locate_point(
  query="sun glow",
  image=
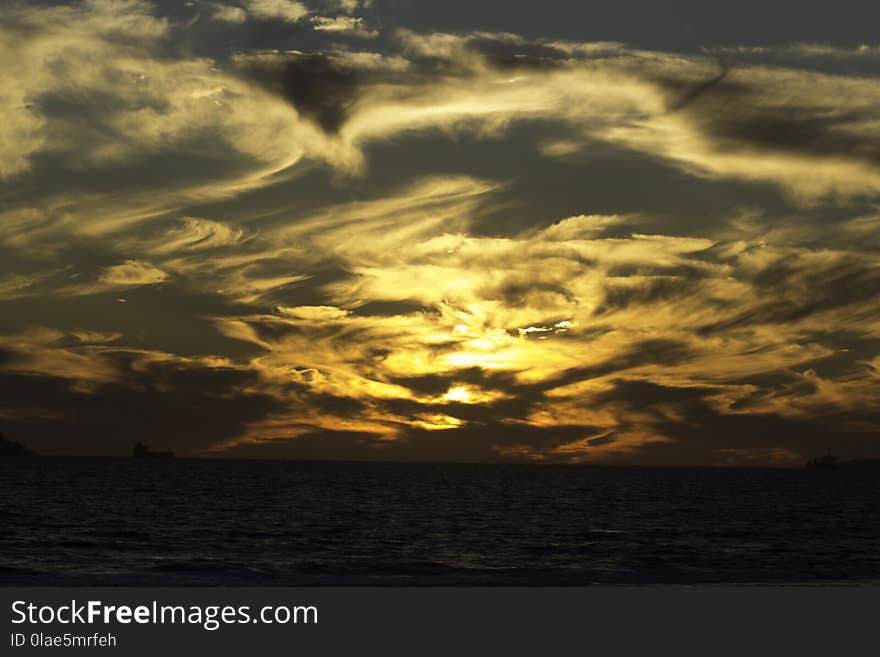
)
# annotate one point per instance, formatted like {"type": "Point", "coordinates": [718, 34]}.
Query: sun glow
{"type": "Point", "coordinates": [459, 394]}
{"type": "Point", "coordinates": [464, 394]}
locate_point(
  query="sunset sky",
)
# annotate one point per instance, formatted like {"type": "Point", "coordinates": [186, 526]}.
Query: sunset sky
{"type": "Point", "coordinates": [558, 232]}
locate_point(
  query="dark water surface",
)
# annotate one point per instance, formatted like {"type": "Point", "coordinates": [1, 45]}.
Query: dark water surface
{"type": "Point", "coordinates": [201, 522]}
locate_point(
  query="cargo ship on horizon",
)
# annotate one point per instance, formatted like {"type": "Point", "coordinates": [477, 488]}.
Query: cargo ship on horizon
{"type": "Point", "coordinates": [142, 451]}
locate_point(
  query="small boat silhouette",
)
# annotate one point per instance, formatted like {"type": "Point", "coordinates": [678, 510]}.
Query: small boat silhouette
{"type": "Point", "coordinates": [141, 451]}
{"type": "Point", "coordinates": [827, 462]}
{"type": "Point", "coordinates": [13, 449]}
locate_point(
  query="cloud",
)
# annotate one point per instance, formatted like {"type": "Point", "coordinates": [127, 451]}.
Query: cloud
{"type": "Point", "coordinates": [475, 329]}
{"type": "Point", "coordinates": [40, 351]}
{"type": "Point", "coordinates": [195, 234]}
{"type": "Point", "coordinates": [132, 396]}
{"type": "Point", "coordinates": [286, 10]}
{"type": "Point", "coordinates": [132, 273]}
{"type": "Point", "coordinates": [444, 246]}
{"type": "Point", "coordinates": [94, 90]}
{"type": "Point", "coordinates": [729, 123]}
{"type": "Point", "coordinates": [803, 51]}
{"type": "Point", "coordinates": [350, 24]}
{"type": "Point", "coordinates": [314, 312]}
{"type": "Point", "coordinates": [227, 13]}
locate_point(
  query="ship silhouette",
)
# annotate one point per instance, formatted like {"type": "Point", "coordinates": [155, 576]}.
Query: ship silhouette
{"type": "Point", "coordinates": [12, 448]}
{"type": "Point", "coordinates": [141, 451]}
{"type": "Point", "coordinates": [827, 462]}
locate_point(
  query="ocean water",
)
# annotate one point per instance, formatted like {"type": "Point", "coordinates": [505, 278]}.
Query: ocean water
{"type": "Point", "coordinates": [202, 522]}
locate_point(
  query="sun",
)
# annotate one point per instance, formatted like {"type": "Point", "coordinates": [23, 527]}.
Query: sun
{"type": "Point", "coordinates": [459, 394]}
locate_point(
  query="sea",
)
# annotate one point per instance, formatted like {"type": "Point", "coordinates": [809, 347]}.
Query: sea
{"type": "Point", "coordinates": [182, 522]}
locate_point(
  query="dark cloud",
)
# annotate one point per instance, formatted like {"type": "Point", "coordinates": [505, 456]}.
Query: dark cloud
{"type": "Point", "coordinates": [318, 85]}
{"type": "Point", "coordinates": [388, 308]}
{"type": "Point", "coordinates": [656, 290]}
{"type": "Point", "coordinates": [173, 317]}
{"type": "Point", "coordinates": [439, 382]}
{"type": "Point", "coordinates": [656, 351]}
{"type": "Point", "coordinates": [519, 400]}
{"type": "Point", "coordinates": [688, 93]}
{"type": "Point", "coordinates": [162, 404]}
{"type": "Point", "coordinates": [495, 441]}
{"type": "Point", "coordinates": [319, 445]}
{"type": "Point", "coordinates": [325, 86]}
{"type": "Point", "coordinates": [478, 443]}
{"type": "Point", "coordinates": [738, 112]}
{"type": "Point", "coordinates": [517, 292]}
{"type": "Point", "coordinates": [697, 431]}
{"type": "Point", "coordinates": [797, 287]}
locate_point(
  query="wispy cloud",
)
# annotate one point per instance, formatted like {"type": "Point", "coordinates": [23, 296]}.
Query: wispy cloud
{"type": "Point", "coordinates": [286, 10]}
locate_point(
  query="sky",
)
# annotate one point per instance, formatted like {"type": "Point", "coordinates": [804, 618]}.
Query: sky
{"type": "Point", "coordinates": [464, 231]}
